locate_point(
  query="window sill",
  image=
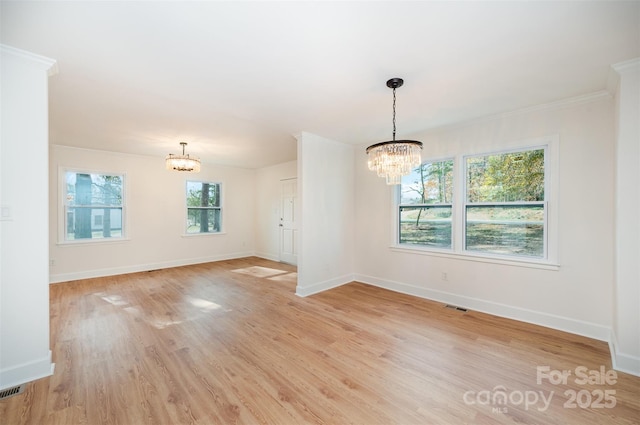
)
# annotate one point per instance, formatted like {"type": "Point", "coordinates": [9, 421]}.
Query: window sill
{"type": "Point", "coordinates": [195, 235]}
{"type": "Point", "coordinates": [84, 242]}
{"type": "Point", "coordinates": [520, 262]}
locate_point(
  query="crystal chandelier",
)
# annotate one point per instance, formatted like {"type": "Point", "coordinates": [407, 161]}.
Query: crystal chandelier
{"type": "Point", "coordinates": [395, 158]}
{"type": "Point", "coordinates": [183, 162]}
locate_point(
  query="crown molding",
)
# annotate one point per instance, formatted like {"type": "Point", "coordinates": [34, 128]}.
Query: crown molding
{"type": "Point", "coordinates": [562, 103]}
{"type": "Point", "coordinates": [48, 64]}
{"type": "Point", "coordinates": [617, 69]}
{"type": "Point", "coordinates": [625, 66]}
{"type": "Point", "coordinates": [559, 104]}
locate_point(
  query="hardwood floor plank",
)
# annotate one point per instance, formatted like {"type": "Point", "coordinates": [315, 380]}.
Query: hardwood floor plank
{"type": "Point", "coordinates": [230, 343]}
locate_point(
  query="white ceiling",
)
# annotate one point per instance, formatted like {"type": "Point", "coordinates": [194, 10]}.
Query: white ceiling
{"type": "Point", "coordinates": [238, 79]}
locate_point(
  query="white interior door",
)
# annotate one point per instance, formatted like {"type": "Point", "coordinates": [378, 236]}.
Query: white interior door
{"type": "Point", "coordinates": [288, 228]}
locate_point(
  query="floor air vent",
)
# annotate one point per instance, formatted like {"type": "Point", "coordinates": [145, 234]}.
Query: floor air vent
{"type": "Point", "coordinates": [455, 307]}
{"type": "Point", "coordinates": [12, 391]}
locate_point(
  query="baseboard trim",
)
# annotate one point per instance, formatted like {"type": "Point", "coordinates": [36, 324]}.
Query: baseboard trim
{"type": "Point", "coordinates": [623, 362]}
{"type": "Point", "coordinates": [267, 256]}
{"type": "Point", "coordinates": [113, 271]}
{"type": "Point", "coordinates": [578, 327]}
{"type": "Point", "coordinates": [26, 372]}
{"type": "Point", "coordinates": [305, 291]}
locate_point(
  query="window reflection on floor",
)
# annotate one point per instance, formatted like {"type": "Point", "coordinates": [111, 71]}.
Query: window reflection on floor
{"type": "Point", "coordinates": [161, 321]}
{"type": "Point", "coordinates": [269, 273]}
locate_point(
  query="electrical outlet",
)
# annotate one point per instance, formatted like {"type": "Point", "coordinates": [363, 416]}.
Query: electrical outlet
{"type": "Point", "coordinates": [445, 277]}
{"type": "Point", "coordinates": [52, 263]}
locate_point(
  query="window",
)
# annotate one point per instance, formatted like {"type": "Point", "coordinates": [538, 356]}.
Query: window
{"type": "Point", "coordinates": [425, 208]}
{"type": "Point", "coordinates": [93, 206]}
{"type": "Point", "coordinates": [484, 206]}
{"type": "Point", "coordinates": [504, 211]}
{"type": "Point", "coordinates": [203, 207]}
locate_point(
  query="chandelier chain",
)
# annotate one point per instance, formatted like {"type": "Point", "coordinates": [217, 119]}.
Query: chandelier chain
{"type": "Point", "coordinates": [394, 114]}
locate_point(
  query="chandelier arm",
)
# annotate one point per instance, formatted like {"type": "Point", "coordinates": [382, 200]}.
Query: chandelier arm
{"type": "Point", "coordinates": [391, 142]}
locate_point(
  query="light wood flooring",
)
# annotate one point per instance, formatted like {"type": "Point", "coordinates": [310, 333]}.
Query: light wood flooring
{"type": "Point", "coordinates": [230, 343]}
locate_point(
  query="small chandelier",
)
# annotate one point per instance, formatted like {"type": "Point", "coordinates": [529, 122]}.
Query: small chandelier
{"type": "Point", "coordinates": [183, 162]}
{"type": "Point", "coordinates": [395, 158]}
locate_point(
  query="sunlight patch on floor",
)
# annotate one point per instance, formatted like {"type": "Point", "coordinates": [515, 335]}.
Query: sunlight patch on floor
{"type": "Point", "coordinates": [258, 271]}
{"type": "Point", "coordinates": [112, 299]}
{"type": "Point", "coordinates": [288, 277]}
{"type": "Point", "coordinates": [201, 306]}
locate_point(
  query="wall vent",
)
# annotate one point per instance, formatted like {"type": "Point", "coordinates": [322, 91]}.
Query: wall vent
{"type": "Point", "coordinates": [12, 391]}
{"type": "Point", "coordinates": [455, 307]}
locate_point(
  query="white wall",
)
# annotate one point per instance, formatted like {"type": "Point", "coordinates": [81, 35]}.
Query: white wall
{"type": "Point", "coordinates": [268, 197]}
{"type": "Point", "coordinates": [578, 296]}
{"type": "Point", "coordinates": [326, 227]}
{"type": "Point", "coordinates": [155, 209]}
{"type": "Point", "coordinates": [626, 341]}
{"type": "Point", "coordinates": [24, 258]}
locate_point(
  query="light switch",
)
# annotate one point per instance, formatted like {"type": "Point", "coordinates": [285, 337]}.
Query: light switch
{"type": "Point", "coordinates": [5, 215]}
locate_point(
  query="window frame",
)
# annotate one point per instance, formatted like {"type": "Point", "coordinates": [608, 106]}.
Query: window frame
{"type": "Point", "coordinates": [399, 205]}
{"type": "Point", "coordinates": [220, 207]}
{"type": "Point", "coordinates": [458, 251]}
{"type": "Point", "coordinates": [63, 209]}
{"type": "Point", "coordinates": [544, 203]}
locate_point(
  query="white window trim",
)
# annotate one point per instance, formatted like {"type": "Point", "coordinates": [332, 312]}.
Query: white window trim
{"type": "Point", "coordinates": [62, 216]}
{"type": "Point", "coordinates": [185, 216]}
{"type": "Point", "coordinates": [198, 235]}
{"type": "Point", "coordinates": [545, 203]}
{"type": "Point", "coordinates": [550, 262]}
{"type": "Point", "coordinates": [396, 201]}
